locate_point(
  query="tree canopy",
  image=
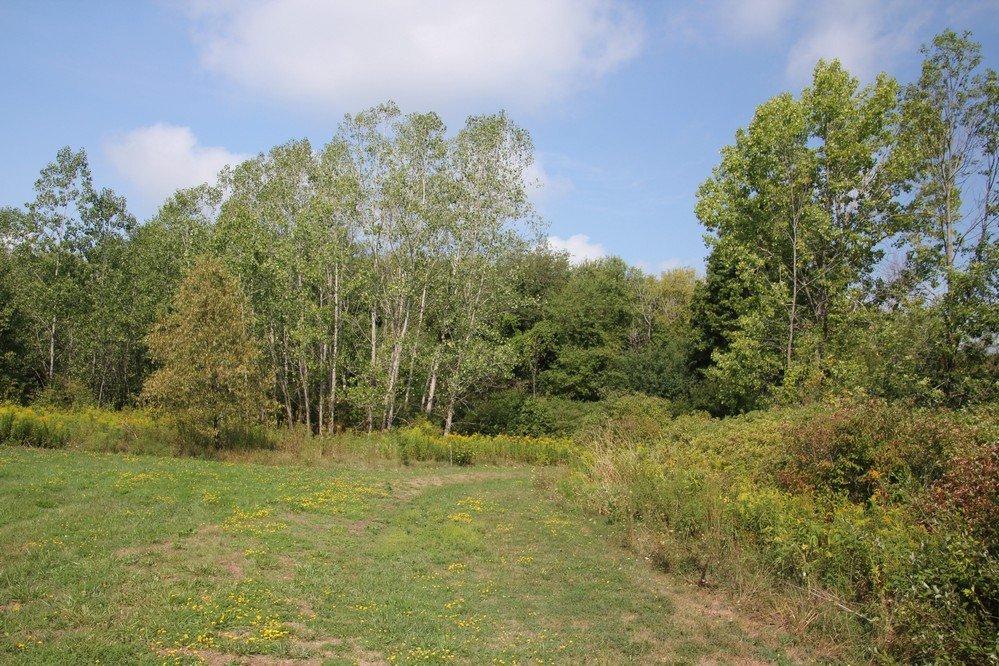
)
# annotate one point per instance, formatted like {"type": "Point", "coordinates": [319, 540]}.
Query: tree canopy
{"type": "Point", "coordinates": [399, 270]}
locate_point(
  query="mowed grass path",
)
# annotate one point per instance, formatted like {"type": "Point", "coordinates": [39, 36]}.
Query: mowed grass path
{"type": "Point", "coordinates": [123, 559]}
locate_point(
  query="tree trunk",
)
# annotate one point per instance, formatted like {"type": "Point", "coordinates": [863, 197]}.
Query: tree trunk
{"type": "Point", "coordinates": [794, 294]}
{"type": "Point", "coordinates": [450, 414]}
{"type": "Point", "coordinates": [373, 379]}
{"type": "Point", "coordinates": [432, 389]}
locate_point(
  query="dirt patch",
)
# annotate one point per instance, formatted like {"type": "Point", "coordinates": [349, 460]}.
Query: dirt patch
{"type": "Point", "coordinates": [146, 549]}
{"type": "Point", "coordinates": [417, 486]}
{"type": "Point", "coordinates": [358, 526]}
{"type": "Point", "coordinates": [309, 520]}
{"type": "Point", "coordinates": [712, 617]}
{"type": "Point", "coordinates": [215, 658]}
{"type": "Point", "coordinates": [234, 564]}
{"type": "Point", "coordinates": [314, 651]}
{"type": "Point", "coordinates": [304, 608]}
{"type": "Point", "coordinates": [206, 545]}
{"type": "Point", "coordinates": [366, 657]}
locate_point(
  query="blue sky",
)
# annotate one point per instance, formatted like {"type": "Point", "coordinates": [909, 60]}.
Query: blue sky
{"type": "Point", "coordinates": [628, 103]}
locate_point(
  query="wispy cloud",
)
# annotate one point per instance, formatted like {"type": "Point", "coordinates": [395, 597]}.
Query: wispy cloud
{"type": "Point", "coordinates": [670, 264]}
{"type": "Point", "coordinates": [867, 36]}
{"type": "Point", "coordinates": [543, 186]}
{"type": "Point", "coordinates": [726, 21]}
{"type": "Point", "coordinates": [350, 54]}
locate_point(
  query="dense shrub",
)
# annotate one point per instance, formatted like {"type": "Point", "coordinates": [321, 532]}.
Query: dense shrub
{"type": "Point", "coordinates": [887, 510]}
{"type": "Point", "coordinates": [517, 413]}
{"type": "Point", "coordinates": [90, 429]}
{"type": "Point", "coordinates": [137, 432]}
{"type": "Point", "coordinates": [969, 489]}
{"type": "Point", "coordinates": [423, 441]}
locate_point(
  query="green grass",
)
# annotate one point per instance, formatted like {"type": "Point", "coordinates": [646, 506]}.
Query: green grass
{"type": "Point", "coordinates": [137, 559]}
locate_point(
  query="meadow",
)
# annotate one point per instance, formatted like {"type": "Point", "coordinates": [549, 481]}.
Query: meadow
{"type": "Point", "coordinates": [850, 531]}
{"type": "Point", "coordinates": [122, 558]}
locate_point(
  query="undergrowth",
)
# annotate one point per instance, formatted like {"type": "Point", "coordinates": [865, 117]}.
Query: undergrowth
{"type": "Point", "coordinates": [873, 523]}
{"type": "Point", "coordinates": [140, 433]}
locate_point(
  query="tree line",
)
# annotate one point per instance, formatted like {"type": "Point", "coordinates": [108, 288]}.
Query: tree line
{"type": "Point", "coordinates": [400, 271]}
{"type": "Point", "coordinates": [852, 238]}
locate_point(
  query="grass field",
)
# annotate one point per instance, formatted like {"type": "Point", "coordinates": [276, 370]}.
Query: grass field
{"type": "Point", "coordinates": [132, 559]}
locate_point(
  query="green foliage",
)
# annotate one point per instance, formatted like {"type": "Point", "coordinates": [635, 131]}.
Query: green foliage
{"type": "Point", "coordinates": [15, 375]}
{"type": "Point", "coordinates": [417, 443]}
{"type": "Point", "coordinates": [68, 278]}
{"type": "Point", "coordinates": [399, 269]}
{"type": "Point", "coordinates": [798, 303]}
{"type": "Point", "coordinates": [514, 412]}
{"type": "Point", "coordinates": [138, 432]}
{"type": "Point", "coordinates": [422, 441]}
{"type": "Point", "coordinates": [796, 212]}
{"type": "Point", "coordinates": [90, 429]}
{"type": "Point", "coordinates": [210, 378]}
{"type": "Point", "coordinates": [599, 328]}
{"type": "Point", "coordinates": [949, 123]}
{"type": "Point", "coordinates": [877, 506]}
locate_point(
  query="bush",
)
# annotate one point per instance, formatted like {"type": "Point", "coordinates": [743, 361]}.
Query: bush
{"type": "Point", "coordinates": [514, 412]}
{"type": "Point", "coordinates": [91, 429]}
{"type": "Point", "coordinates": [887, 510]}
{"type": "Point", "coordinates": [423, 443]}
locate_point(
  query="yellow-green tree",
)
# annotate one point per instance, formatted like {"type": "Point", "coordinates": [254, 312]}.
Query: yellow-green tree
{"type": "Point", "coordinates": [210, 376]}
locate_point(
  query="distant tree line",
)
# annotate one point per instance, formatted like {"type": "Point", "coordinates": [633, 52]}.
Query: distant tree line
{"type": "Point", "coordinates": [399, 271]}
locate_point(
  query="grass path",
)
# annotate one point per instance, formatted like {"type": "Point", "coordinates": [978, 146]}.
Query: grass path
{"type": "Point", "coordinates": [122, 559]}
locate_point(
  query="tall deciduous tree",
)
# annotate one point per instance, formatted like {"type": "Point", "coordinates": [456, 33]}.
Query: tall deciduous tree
{"type": "Point", "coordinates": [796, 211]}
{"type": "Point", "coordinates": [951, 127]}
{"type": "Point", "coordinates": [67, 249]}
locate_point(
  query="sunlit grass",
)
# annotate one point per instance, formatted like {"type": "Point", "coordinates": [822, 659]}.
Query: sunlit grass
{"type": "Point", "coordinates": [137, 559]}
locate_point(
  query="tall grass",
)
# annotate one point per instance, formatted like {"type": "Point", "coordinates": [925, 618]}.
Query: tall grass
{"type": "Point", "coordinates": [423, 442]}
{"type": "Point", "coordinates": [20, 425]}
{"type": "Point", "coordinates": [869, 513]}
{"type": "Point", "coordinates": [141, 433]}
{"type": "Point", "coordinates": [91, 429]}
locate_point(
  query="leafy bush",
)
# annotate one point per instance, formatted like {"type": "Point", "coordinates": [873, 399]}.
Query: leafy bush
{"type": "Point", "coordinates": [886, 510]}
{"type": "Point", "coordinates": [968, 490]}
{"type": "Point", "coordinates": [421, 442]}
{"type": "Point", "coordinates": [136, 432]}
{"type": "Point", "coordinates": [516, 413]}
{"type": "Point", "coordinates": [91, 429]}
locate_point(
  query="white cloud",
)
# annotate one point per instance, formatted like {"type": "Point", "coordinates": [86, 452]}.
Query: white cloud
{"type": "Point", "coordinates": [722, 21]}
{"type": "Point", "coordinates": [865, 36]}
{"type": "Point", "coordinates": [159, 159]}
{"type": "Point", "coordinates": [349, 54]}
{"type": "Point", "coordinates": [578, 246]}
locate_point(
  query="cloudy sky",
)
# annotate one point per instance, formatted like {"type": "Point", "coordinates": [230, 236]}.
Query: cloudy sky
{"type": "Point", "coordinates": [628, 103]}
